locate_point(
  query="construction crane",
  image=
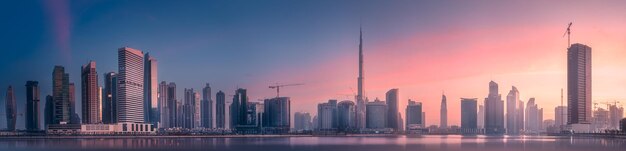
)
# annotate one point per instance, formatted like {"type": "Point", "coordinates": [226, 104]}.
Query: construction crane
{"type": "Point", "coordinates": [277, 87]}
{"type": "Point", "coordinates": [568, 33]}
{"type": "Point", "coordinates": [608, 104]}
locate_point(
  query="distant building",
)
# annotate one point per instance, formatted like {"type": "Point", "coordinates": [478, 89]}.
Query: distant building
{"type": "Point", "coordinates": [173, 106]}
{"type": "Point", "coordinates": [61, 96]}
{"type": "Point", "coordinates": [74, 118]}
{"type": "Point", "coordinates": [207, 107]}
{"type": "Point", "coordinates": [130, 96]}
{"type": "Point", "coordinates": [534, 117]}
{"type": "Point", "coordinates": [327, 116]}
{"type": "Point", "coordinates": [220, 110]}
{"type": "Point", "coordinates": [560, 116]}
{"type": "Point", "coordinates": [443, 113]}
{"type": "Point", "coordinates": [392, 104]}
{"type": "Point", "coordinates": [109, 102]}
{"type": "Point", "coordinates": [512, 116]}
{"type": "Point", "coordinates": [415, 116]}
{"type": "Point", "coordinates": [346, 116]}
{"type": "Point", "coordinates": [11, 109]}
{"type": "Point", "coordinates": [91, 113]}
{"type": "Point", "coordinates": [189, 109]}
{"type": "Point", "coordinates": [150, 90]}
{"type": "Point", "coordinates": [164, 109]}
{"type": "Point", "coordinates": [600, 120]}
{"type": "Point", "coordinates": [361, 101]}
{"type": "Point", "coordinates": [494, 111]}
{"type": "Point", "coordinates": [277, 115]}
{"type": "Point", "coordinates": [579, 84]}
{"type": "Point", "coordinates": [481, 117]}
{"type": "Point", "coordinates": [623, 125]}
{"type": "Point", "coordinates": [302, 121]}
{"type": "Point", "coordinates": [32, 106]}
{"type": "Point", "coordinates": [48, 112]}
{"type": "Point", "coordinates": [376, 115]}
{"type": "Point", "coordinates": [615, 115]}
{"type": "Point", "coordinates": [468, 115]}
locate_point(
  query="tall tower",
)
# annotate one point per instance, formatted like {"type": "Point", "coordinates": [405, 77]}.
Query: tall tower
{"type": "Point", "coordinates": [207, 107]}
{"type": "Point", "coordinates": [11, 109]}
{"type": "Point", "coordinates": [89, 94]}
{"type": "Point", "coordinates": [444, 112]}
{"type": "Point", "coordinates": [130, 86]}
{"type": "Point", "coordinates": [579, 84]}
{"type": "Point", "coordinates": [359, 98]}
{"type": "Point", "coordinates": [61, 105]}
{"type": "Point", "coordinates": [494, 111]}
{"type": "Point", "coordinates": [392, 112]}
{"type": "Point", "coordinates": [32, 106]}
{"type": "Point", "coordinates": [150, 90]}
{"type": "Point", "coordinates": [220, 110]}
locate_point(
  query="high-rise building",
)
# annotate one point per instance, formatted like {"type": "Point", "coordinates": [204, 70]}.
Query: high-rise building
{"type": "Point", "coordinates": [346, 115]}
{"type": "Point", "coordinates": [615, 114]}
{"type": "Point", "coordinates": [11, 109]}
{"type": "Point", "coordinates": [89, 94]}
{"type": "Point", "coordinates": [512, 100]}
{"type": "Point", "coordinates": [415, 115]}
{"type": "Point", "coordinates": [327, 115]}
{"type": "Point", "coordinates": [32, 106]}
{"type": "Point", "coordinates": [534, 117]}
{"type": "Point", "coordinates": [150, 90]}
{"type": "Point", "coordinates": [392, 106]}
{"type": "Point", "coordinates": [74, 118]}
{"type": "Point", "coordinates": [481, 117]}
{"type": "Point", "coordinates": [189, 109]}
{"type": "Point", "coordinates": [560, 116]}
{"type": "Point", "coordinates": [197, 120]}
{"type": "Point", "coordinates": [443, 113]}
{"type": "Point", "coordinates": [302, 121]}
{"type": "Point", "coordinates": [130, 86]}
{"type": "Point", "coordinates": [519, 120]}
{"type": "Point", "coordinates": [48, 111]}
{"type": "Point", "coordinates": [163, 106]}
{"type": "Point", "coordinates": [220, 110]}
{"type": "Point", "coordinates": [376, 115]}
{"type": "Point", "coordinates": [277, 115]}
{"type": "Point", "coordinates": [579, 84]}
{"type": "Point", "coordinates": [61, 96]}
{"type": "Point", "coordinates": [360, 99]}
{"type": "Point", "coordinates": [172, 105]}
{"type": "Point", "coordinates": [494, 111]}
{"type": "Point", "coordinates": [239, 109]}
{"type": "Point", "coordinates": [109, 96]}
{"type": "Point", "coordinates": [468, 115]}
{"type": "Point", "coordinates": [207, 107]}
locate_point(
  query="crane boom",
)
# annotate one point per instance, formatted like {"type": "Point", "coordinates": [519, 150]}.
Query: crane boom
{"type": "Point", "coordinates": [277, 87]}
{"type": "Point", "coordinates": [568, 32]}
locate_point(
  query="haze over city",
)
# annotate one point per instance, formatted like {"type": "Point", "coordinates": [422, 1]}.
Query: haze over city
{"type": "Point", "coordinates": [455, 49]}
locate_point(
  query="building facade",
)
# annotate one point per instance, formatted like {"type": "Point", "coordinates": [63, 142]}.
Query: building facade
{"type": "Point", "coordinates": [61, 96]}
{"type": "Point", "coordinates": [443, 112]}
{"type": "Point", "coordinates": [91, 113]}
{"type": "Point", "coordinates": [579, 84]}
{"type": "Point", "coordinates": [150, 90]}
{"type": "Point", "coordinates": [327, 116]}
{"type": "Point", "coordinates": [32, 106]}
{"type": "Point", "coordinates": [130, 96]}
{"type": "Point", "coordinates": [346, 116]}
{"type": "Point", "coordinates": [376, 115]}
{"type": "Point", "coordinates": [468, 115]}
{"type": "Point", "coordinates": [109, 98]}
{"type": "Point", "coordinates": [11, 109]}
{"type": "Point", "coordinates": [207, 107]}
{"type": "Point", "coordinates": [392, 106]}
{"type": "Point", "coordinates": [494, 111]}
{"type": "Point", "coordinates": [220, 110]}
{"type": "Point", "coordinates": [415, 116]}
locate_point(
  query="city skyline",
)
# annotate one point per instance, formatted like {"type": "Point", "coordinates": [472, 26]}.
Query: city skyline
{"type": "Point", "coordinates": [388, 54]}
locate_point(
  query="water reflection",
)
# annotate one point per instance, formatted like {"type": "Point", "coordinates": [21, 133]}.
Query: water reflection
{"type": "Point", "coordinates": [387, 143]}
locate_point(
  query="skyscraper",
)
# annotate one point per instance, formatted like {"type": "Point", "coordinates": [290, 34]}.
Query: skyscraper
{"type": "Point", "coordinates": [89, 94]}
{"type": "Point", "coordinates": [579, 84]}
{"type": "Point", "coordinates": [130, 86]}
{"type": "Point", "coordinates": [74, 118]}
{"type": "Point", "coordinates": [11, 109]}
{"type": "Point", "coordinates": [207, 107]}
{"type": "Point", "coordinates": [239, 109]}
{"type": "Point", "coordinates": [48, 111]}
{"type": "Point", "coordinates": [468, 115]}
{"type": "Point", "coordinates": [360, 99]}
{"type": "Point", "coordinates": [164, 115]}
{"type": "Point", "coordinates": [197, 120]}
{"type": "Point", "coordinates": [481, 117]}
{"type": "Point", "coordinates": [414, 115]}
{"type": "Point", "coordinates": [109, 108]}
{"type": "Point", "coordinates": [61, 96]}
{"type": "Point", "coordinates": [150, 90]}
{"type": "Point", "coordinates": [376, 115]}
{"type": "Point", "coordinates": [302, 121]}
{"type": "Point", "coordinates": [494, 111]}
{"type": "Point", "coordinates": [277, 114]}
{"type": "Point", "coordinates": [172, 105]}
{"type": "Point", "coordinates": [189, 109]}
{"type": "Point", "coordinates": [32, 106]}
{"type": "Point", "coordinates": [560, 116]}
{"type": "Point", "coordinates": [534, 117]}
{"type": "Point", "coordinates": [392, 104]}
{"type": "Point", "coordinates": [327, 115]}
{"type": "Point", "coordinates": [346, 115]}
{"type": "Point", "coordinates": [511, 111]}
{"type": "Point", "coordinates": [443, 113]}
{"type": "Point", "coordinates": [220, 110]}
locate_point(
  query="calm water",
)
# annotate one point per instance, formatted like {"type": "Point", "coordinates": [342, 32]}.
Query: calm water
{"type": "Point", "coordinates": [395, 143]}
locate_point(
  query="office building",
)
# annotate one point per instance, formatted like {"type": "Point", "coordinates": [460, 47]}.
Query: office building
{"type": "Point", "coordinates": [392, 106]}
{"type": "Point", "coordinates": [494, 111]}
{"type": "Point", "coordinates": [468, 116]}
{"type": "Point", "coordinates": [130, 86]}
{"type": "Point", "coordinates": [481, 117]}
{"type": "Point", "coordinates": [163, 106]}
{"type": "Point", "coordinates": [91, 112]}
{"type": "Point", "coordinates": [534, 117]}
{"type": "Point", "coordinates": [32, 106]}
{"type": "Point", "coordinates": [302, 121]}
{"type": "Point", "coordinates": [11, 109]}
{"type": "Point", "coordinates": [207, 107]}
{"type": "Point", "coordinates": [109, 96]}
{"type": "Point", "coordinates": [346, 116]}
{"type": "Point", "coordinates": [150, 90]}
{"type": "Point", "coordinates": [61, 96]}
{"type": "Point", "coordinates": [220, 110]}
{"type": "Point", "coordinates": [415, 115]}
{"type": "Point", "coordinates": [48, 112]}
{"type": "Point", "coordinates": [615, 114]}
{"type": "Point", "coordinates": [189, 109]}
{"type": "Point", "coordinates": [376, 115]}
{"type": "Point", "coordinates": [443, 113]}
{"type": "Point", "coordinates": [579, 84]}
{"type": "Point", "coordinates": [512, 100]}
{"type": "Point", "coordinates": [277, 115]}
{"type": "Point", "coordinates": [327, 116]}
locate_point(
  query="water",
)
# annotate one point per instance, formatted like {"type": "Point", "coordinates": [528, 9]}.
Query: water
{"type": "Point", "coordinates": [391, 143]}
